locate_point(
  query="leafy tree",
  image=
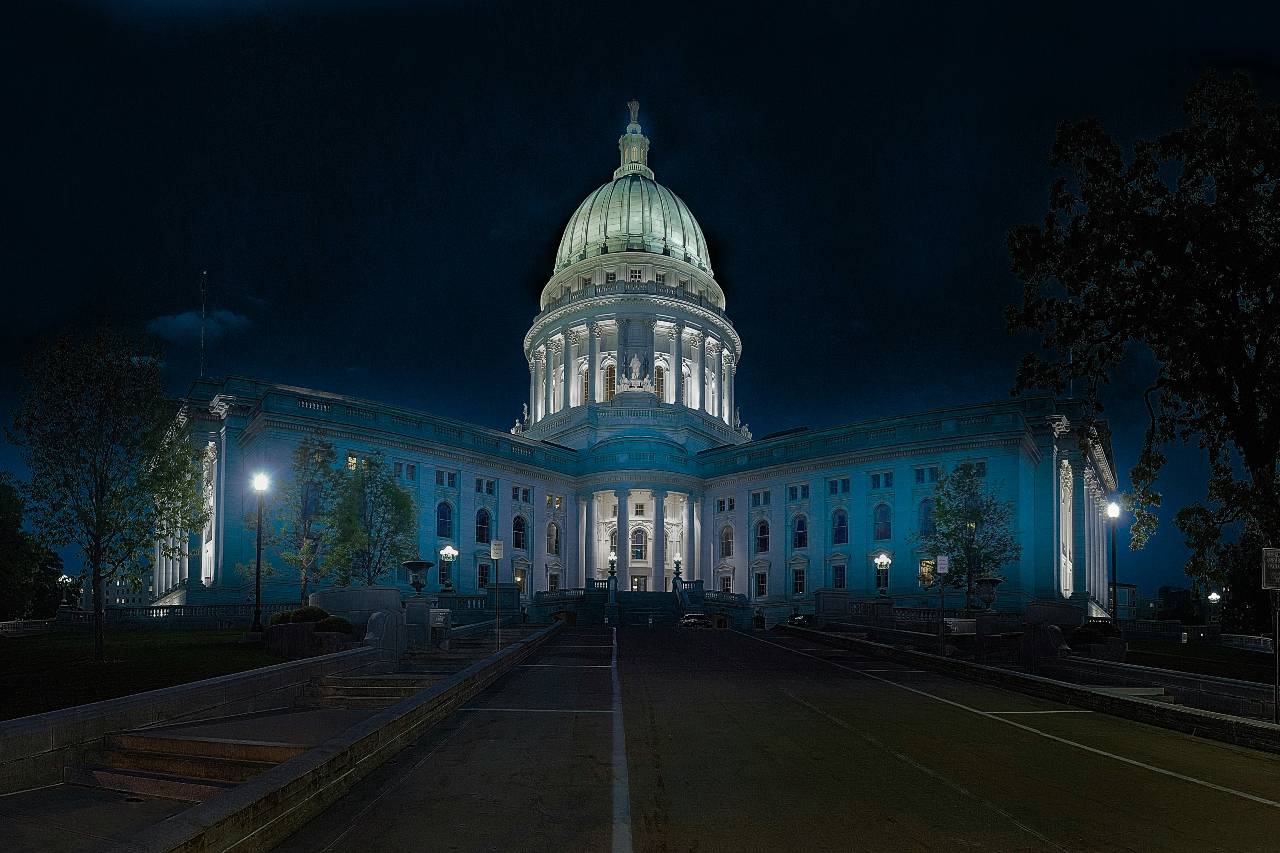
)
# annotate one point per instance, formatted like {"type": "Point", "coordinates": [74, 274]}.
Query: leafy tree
{"type": "Point", "coordinates": [19, 555]}
{"type": "Point", "coordinates": [1236, 568]}
{"type": "Point", "coordinates": [304, 527]}
{"type": "Point", "coordinates": [111, 469]}
{"type": "Point", "coordinates": [1173, 250]}
{"type": "Point", "coordinates": [374, 521]}
{"type": "Point", "coordinates": [972, 526]}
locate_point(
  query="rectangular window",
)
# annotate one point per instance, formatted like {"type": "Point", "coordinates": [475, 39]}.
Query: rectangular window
{"type": "Point", "coordinates": [559, 501]}
{"type": "Point", "coordinates": [586, 281]}
{"type": "Point", "coordinates": [661, 277]}
{"type": "Point", "coordinates": [526, 495]}
{"type": "Point", "coordinates": [882, 480]}
{"type": "Point", "coordinates": [882, 577]}
{"type": "Point", "coordinates": [928, 474]}
{"type": "Point", "coordinates": [553, 582]}
{"type": "Point", "coordinates": [351, 462]}
{"type": "Point", "coordinates": [611, 276]}
{"type": "Point", "coordinates": [411, 472]}
{"type": "Point", "coordinates": [720, 505]}
{"type": "Point", "coordinates": [730, 504]}
{"type": "Point", "coordinates": [444, 573]}
{"type": "Point", "coordinates": [490, 487]}
{"type": "Point", "coordinates": [762, 584]}
{"type": "Point", "coordinates": [639, 510]}
{"type": "Point", "coordinates": [844, 486]}
{"type": "Point", "coordinates": [515, 493]}
{"type": "Point", "coordinates": [797, 582]}
{"type": "Point", "coordinates": [837, 577]}
{"type": "Point", "coordinates": [482, 575]}
{"type": "Point", "coordinates": [833, 487]}
{"type": "Point", "coordinates": [479, 486]}
{"type": "Point", "coordinates": [760, 498]}
{"type": "Point", "coordinates": [439, 478]}
{"type": "Point", "coordinates": [726, 583]}
{"type": "Point", "coordinates": [615, 510]}
{"type": "Point", "coordinates": [399, 469]}
{"type": "Point", "coordinates": [634, 274]}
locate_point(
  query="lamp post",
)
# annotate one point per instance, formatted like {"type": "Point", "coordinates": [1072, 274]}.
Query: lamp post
{"type": "Point", "coordinates": [882, 565]}
{"type": "Point", "coordinates": [1113, 513]}
{"type": "Point", "coordinates": [1215, 598]}
{"type": "Point", "coordinates": [260, 484]}
{"type": "Point", "coordinates": [447, 555]}
{"type": "Point", "coordinates": [676, 582]}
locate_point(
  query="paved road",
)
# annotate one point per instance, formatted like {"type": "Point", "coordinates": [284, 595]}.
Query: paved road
{"type": "Point", "coordinates": [766, 742]}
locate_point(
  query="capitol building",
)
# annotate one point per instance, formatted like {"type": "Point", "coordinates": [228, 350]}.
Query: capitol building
{"type": "Point", "coordinates": [632, 445]}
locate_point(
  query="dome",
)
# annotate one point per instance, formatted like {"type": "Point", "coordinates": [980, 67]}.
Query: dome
{"type": "Point", "coordinates": [633, 213]}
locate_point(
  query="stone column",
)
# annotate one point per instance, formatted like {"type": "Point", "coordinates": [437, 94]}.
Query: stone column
{"type": "Point", "coordinates": [547, 359]}
{"type": "Point", "coordinates": [688, 568]}
{"type": "Point", "coordinates": [722, 399]}
{"type": "Point", "coordinates": [711, 352]}
{"type": "Point", "coordinates": [624, 537]}
{"type": "Point", "coordinates": [698, 341]}
{"type": "Point", "coordinates": [732, 380]}
{"type": "Point", "coordinates": [593, 361]}
{"type": "Point", "coordinates": [566, 375]}
{"type": "Point", "coordinates": [533, 390]}
{"type": "Point", "coordinates": [677, 364]}
{"type": "Point", "coordinates": [588, 537]}
{"type": "Point", "coordinates": [659, 553]}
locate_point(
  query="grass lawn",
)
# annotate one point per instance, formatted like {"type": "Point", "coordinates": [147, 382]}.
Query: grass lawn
{"type": "Point", "coordinates": [44, 673]}
{"type": "Point", "coordinates": [1222, 661]}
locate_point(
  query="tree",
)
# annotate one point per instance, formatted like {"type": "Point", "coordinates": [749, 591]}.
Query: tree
{"type": "Point", "coordinates": [111, 469]}
{"type": "Point", "coordinates": [19, 555]}
{"type": "Point", "coordinates": [971, 526]}
{"type": "Point", "coordinates": [1173, 250]}
{"type": "Point", "coordinates": [374, 522]}
{"type": "Point", "coordinates": [1236, 569]}
{"type": "Point", "coordinates": [304, 530]}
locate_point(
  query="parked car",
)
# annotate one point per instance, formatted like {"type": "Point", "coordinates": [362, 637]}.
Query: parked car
{"type": "Point", "coordinates": [695, 620]}
{"type": "Point", "coordinates": [803, 620]}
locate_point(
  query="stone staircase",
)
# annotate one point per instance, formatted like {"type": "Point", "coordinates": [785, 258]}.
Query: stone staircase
{"type": "Point", "coordinates": [191, 769]}
{"type": "Point", "coordinates": [635, 608]}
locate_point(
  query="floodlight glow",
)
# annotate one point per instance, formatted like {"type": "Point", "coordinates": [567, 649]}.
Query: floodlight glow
{"type": "Point", "coordinates": [260, 482]}
{"type": "Point", "coordinates": [883, 560]}
{"type": "Point", "coordinates": [1214, 597]}
{"type": "Point", "coordinates": [448, 553]}
{"type": "Point", "coordinates": [1113, 510]}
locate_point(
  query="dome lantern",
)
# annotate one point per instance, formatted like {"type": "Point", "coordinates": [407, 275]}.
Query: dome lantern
{"type": "Point", "coordinates": [633, 147]}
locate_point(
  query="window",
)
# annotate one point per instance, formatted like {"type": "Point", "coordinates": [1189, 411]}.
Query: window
{"type": "Point", "coordinates": [515, 493]}
{"type": "Point", "coordinates": [610, 376]}
{"type": "Point", "coordinates": [482, 526]}
{"type": "Point", "coordinates": [490, 487]}
{"type": "Point", "coordinates": [639, 511]}
{"type": "Point", "coordinates": [838, 487]}
{"type": "Point", "coordinates": [526, 495]}
{"type": "Point", "coordinates": [882, 576]}
{"type": "Point", "coordinates": [882, 528]}
{"type": "Point", "coordinates": [882, 480]}
{"type": "Point", "coordinates": [585, 378]}
{"type": "Point", "coordinates": [613, 539]}
{"type": "Point", "coordinates": [351, 462]}
{"type": "Point", "coordinates": [762, 537]}
{"type": "Point", "coordinates": [661, 277]}
{"type": "Point", "coordinates": [762, 584]}
{"type": "Point", "coordinates": [797, 582]}
{"type": "Point", "coordinates": [482, 575]}
{"type": "Point", "coordinates": [928, 474]}
{"type": "Point", "coordinates": [634, 274]}
{"type": "Point", "coordinates": [517, 532]}
{"type": "Point", "coordinates": [800, 532]}
{"type": "Point", "coordinates": [399, 470]}
{"type": "Point", "coordinates": [980, 467]}
{"type": "Point", "coordinates": [447, 478]}
{"type": "Point", "coordinates": [660, 382]}
{"type": "Point", "coordinates": [760, 498]}
{"type": "Point", "coordinates": [724, 505]}
{"type": "Point", "coordinates": [586, 281]}
{"type": "Point", "coordinates": [444, 573]}
{"type": "Point", "coordinates": [720, 505]}
{"type": "Point", "coordinates": [610, 276]}
{"type": "Point", "coordinates": [840, 528]}
{"type": "Point", "coordinates": [479, 486]}
{"type": "Point", "coordinates": [444, 520]}
{"type": "Point", "coordinates": [798, 493]}
{"type": "Point", "coordinates": [639, 545]}
{"type": "Point", "coordinates": [726, 583]}
{"type": "Point", "coordinates": [553, 582]}
{"type": "Point", "coordinates": [726, 542]}
{"type": "Point", "coordinates": [411, 472]}
{"type": "Point", "coordinates": [837, 577]}
{"type": "Point", "coordinates": [553, 539]}
{"type": "Point", "coordinates": [927, 527]}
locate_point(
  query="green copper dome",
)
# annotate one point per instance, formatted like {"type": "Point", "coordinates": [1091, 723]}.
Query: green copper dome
{"type": "Point", "coordinates": [633, 213]}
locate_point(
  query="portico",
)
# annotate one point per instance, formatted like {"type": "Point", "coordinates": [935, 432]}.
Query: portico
{"type": "Point", "coordinates": [646, 527]}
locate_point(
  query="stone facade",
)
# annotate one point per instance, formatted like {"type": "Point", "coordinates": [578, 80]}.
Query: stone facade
{"type": "Point", "coordinates": [631, 448]}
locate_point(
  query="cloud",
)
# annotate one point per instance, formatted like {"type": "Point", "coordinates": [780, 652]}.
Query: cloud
{"type": "Point", "coordinates": [185, 327]}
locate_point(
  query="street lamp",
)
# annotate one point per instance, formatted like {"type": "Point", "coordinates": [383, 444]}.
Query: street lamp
{"type": "Point", "coordinates": [1113, 513]}
{"type": "Point", "coordinates": [613, 565]}
{"type": "Point", "coordinates": [447, 555]}
{"type": "Point", "coordinates": [882, 566]}
{"type": "Point", "coordinates": [260, 484]}
{"type": "Point", "coordinates": [676, 583]}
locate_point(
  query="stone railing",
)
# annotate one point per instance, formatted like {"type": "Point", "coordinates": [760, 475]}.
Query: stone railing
{"type": "Point", "coordinates": [23, 627]}
{"type": "Point", "coordinates": [735, 599]}
{"type": "Point", "coordinates": [624, 288]}
{"type": "Point", "coordinates": [142, 615]}
{"type": "Point", "coordinates": [1243, 641]}
{"type": "Point", "coordinates": [560, 595]}
{"type": "Point", "coordinates": [601, 584]}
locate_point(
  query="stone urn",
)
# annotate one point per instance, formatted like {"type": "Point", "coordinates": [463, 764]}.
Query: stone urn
{"type": "Point", "coordinates": [986, 588]}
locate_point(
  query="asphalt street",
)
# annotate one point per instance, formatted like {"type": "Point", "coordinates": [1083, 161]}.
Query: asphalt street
{"type": "Point", "coordinates": [724, 741]}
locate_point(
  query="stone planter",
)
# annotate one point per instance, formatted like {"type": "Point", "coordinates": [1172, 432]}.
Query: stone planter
{"type": "Point", "coordinates": [986, 589]}
{"type": "Point", "coordinates": [356, 603]}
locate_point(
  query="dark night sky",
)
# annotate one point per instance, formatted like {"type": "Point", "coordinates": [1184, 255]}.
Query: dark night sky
{"type": "Point", "coordinates": [377, 188]}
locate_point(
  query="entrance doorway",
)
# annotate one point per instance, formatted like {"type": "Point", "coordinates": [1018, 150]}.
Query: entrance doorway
{"type": "Point", "coordinates": [639, 583]}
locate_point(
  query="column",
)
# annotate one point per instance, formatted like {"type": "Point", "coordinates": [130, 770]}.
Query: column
{"type": "Point", "coordinates": [533, 390]}
{"type": "Point", "coordinates": [677, 364]}
{"type": "Point", "coordinates": [733, 406]}
{"type": "Point", "coordinates": [593, 361]}
{"type": "Point", "coordinates": [587, 537]}
{"type": "Point", "coordinates": [659, 552]}
{"type": "Point", "coordinates": [711, 351]}
{"type": "Point", "coordinates": [698, 342]}
{"type": "Point", "coordinates": [567, 372]}
{"type": "Point", "coordinates": [686, 546]}
{"type": "Point", "coordinates": [624, 537]}
{"type": "Point", "coordinates": [722, 400]}
{"type": "Point", "coordinates": [650, 347]}
{"type": "Point", "coordinates": [547, 359]}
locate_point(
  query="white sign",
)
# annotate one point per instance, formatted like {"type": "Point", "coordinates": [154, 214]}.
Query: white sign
{"type": "Point", "coordinates": [1271, 568]}
{"type": "Point", "coordinates": [943, 564]}
{"type": "Point", "coordinates": [495, 549]}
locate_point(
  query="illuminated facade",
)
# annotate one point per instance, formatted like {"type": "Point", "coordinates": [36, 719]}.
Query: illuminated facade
{"type": "Point", "coordinates": [631, 444]}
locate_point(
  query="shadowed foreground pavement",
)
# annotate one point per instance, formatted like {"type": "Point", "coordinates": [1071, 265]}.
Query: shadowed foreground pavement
{"type": "Point", "coordinates": [766, 742]}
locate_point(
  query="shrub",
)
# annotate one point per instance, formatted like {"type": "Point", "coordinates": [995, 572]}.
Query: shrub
{"type": "Point", "coordinates": [335, 623]}
{"type": "Point", "coordinates": [309, 614]}
{"type": "Point", "coordinates": [281, 618]}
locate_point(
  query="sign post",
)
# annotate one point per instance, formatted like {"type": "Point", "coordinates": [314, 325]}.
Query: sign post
{"type": "Point", "coordinates": [941, 565]}
{"type": "Point", "coordinates": [1271, 581]}
{"type": "Point", "coordinates": [495, 554]}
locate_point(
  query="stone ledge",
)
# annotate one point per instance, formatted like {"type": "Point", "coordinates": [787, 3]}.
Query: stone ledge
{"type": "Point", "coordinates": [1193, 721]}
{"type": "Point", "coordinates": [262, 812]}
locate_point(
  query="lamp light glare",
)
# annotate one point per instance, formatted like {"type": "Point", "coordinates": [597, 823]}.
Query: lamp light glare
{"type": "Point", "coordinates": [1215, 597]}
{"type": "Point", "coordinates": [1113, 510]}
{"type": "Point", "coordinates": [260, 482]}
{"type": "Point", "coordinates": [448, 553]}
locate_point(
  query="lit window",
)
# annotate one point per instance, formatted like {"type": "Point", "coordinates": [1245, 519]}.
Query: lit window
{"type": "Point", "coordinates": [586, 386]}
{"type": "Point", "coordinates": [797, 582]}
{"type": "Point", "coordinates": [762, 537]}
{"type": "Point", "coordinates": [762, 584]}
{"type": "Point", "coordinates": [351, 462]}
{"type": "Point", "coordinates": [800, 532]}
{"type": "Point", "coordinates": [553, 582]}
{"type": "Point", "coordinates": [837, 577]}
{"type": "Point", "coordinates": [840, 528]}
{"type": "Point", "coordinates": [634, 274]}
{"type": "Point", "coordinates": [444, 520]}
{"type": "Point", "coordinates": [482, 526]}
{"type": "Point", "coordinates": [553, 539]}
{"type": "Point", "coordinates": [660, 381]}
{"type": "Point", "coordinates": [882, 576]}
{"type": "Point", "coordinates": [726, 542]}
{"type": "Point", "coordinates": [639, 545]}
{"type": "Point", "coordinates": [726, 583]}
{"type": "Point", "coordinates": [883, 523]}
{"type": "Point", "coordinates": [610, 376]}
{"type": "Point", "coordinates": [517, 532]}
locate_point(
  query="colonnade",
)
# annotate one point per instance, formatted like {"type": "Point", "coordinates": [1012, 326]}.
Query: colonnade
{"type": "Point", "coordinates": [612, 518]}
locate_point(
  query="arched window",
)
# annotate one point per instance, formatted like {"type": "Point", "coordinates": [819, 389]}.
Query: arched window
{"type": "Point", "coordinates": [553, 539]}
{"type": "Point", "coordinates": [840, 528]}
{"type": "Point", "coordinates": [660, 382]}
{"type": "Point", "coordinates": [927, 527]}
{"type": "Point", "coordinates": [610, 379]}
{"type": "Point", "coordinates": [517, 532]}
{"type": "Point", "coordinates": [444, 520]}
{"type": "Point", "coordinates": [726, 542]}
{"type": "Point", "coordinates": [882, 528]}
{"type": "Point", "coordinates": [482, 526]}
{"type": "Point", "coordinates": [762, 537]}
{"type": "Point", "coordinates": [639, 544]}
{"type": "Point", "coordinates": [800, 532]}
{"type": "Point", "coordinates": [613, 540]}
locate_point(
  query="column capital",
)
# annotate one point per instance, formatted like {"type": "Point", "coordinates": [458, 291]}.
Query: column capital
{"type": "Point", "coordinates": [695, 336]}
{"type": "Point", "coordinates": [658, 493]}
{"type": "Point", "coordinates": [576, 338]}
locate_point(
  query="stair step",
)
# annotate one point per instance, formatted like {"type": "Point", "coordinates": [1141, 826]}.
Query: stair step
{"type": "Point", "coordinates": [202, 767]}
{"type": "Point", "coordinates": [375, 703]}
{"type": "Point", "coordinates": [247, 750]}
{"type": "Point", "coordinates": [152, 784]}
{"type": "Point", "coordinates": [389, 680]}
{"type": "Point", "coordinates": [356, 691]}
